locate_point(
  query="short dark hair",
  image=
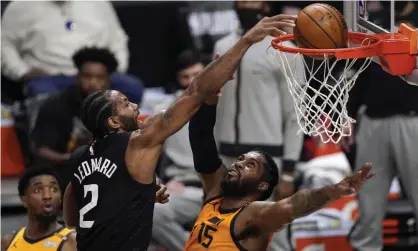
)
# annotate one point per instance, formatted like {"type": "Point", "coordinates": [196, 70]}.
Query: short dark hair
{"type": "Point", "coordinates": [270, 174]}
{"type": "Point", "coordinates": [97, 55]}
{"type": "Point", "coordinates": [33, 172]}
{"type": "Point", "coordinates": [97, 108]}
{"type": "Point", "coordinates": [186, 59]}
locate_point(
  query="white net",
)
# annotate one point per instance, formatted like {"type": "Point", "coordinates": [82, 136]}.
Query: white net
{"type": "Point", "coordinates": [320, 94]}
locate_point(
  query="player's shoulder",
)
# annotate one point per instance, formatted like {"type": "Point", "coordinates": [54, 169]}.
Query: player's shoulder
{"type": "Point", "coordinates": [70, 241]}
{"type": "Point", "coordinates": [79, 152]}
{"type": "Point", "coordinates": [8, 238]}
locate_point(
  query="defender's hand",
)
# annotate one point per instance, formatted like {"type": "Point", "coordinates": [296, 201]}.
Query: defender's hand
{"type": "Point", "coordinates": [353, 183]}
{"type": "Point", "coordinates": [270, 26]}
{"type": "Point", "coordinates": [162, 194]}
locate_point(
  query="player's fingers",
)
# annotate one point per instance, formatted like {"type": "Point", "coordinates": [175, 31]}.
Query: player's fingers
{"type": "Point", "coordinates": [370, 175]}
{"type": "Point", "coordinates": [279, 25]}
{"type": "Point", "coordinates": [161, 191]}
{"type": "Point", "coordinates": [283, 17]}
{"type": "Point", "coordinates": [274, 32]}
{"type": "Point", "coordinates": [365, 169]}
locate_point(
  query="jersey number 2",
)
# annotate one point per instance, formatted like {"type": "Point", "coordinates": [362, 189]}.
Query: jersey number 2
{"type": "Point", "coordinates": [94, 189]}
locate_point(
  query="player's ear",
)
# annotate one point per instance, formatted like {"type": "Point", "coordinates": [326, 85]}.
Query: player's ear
{"type": "Point", "coordinates": [24, 201]}
{"type": "Point", "coordinates": [113, 122]}
{"type": "Point", "coordinates": [263, 186]}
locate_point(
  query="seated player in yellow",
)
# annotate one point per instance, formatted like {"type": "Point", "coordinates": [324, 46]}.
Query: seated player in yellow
{"type": "Point", "coordinates": [234, 216]}
{"type": "Point", "coordinates": [40, 193]}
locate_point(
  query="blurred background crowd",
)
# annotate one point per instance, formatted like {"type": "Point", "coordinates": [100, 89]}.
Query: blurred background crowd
{"type": "Point", "coordinates": [55, 53]}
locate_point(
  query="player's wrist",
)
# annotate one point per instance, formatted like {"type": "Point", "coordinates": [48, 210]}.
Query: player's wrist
{"type": "Point", "coordinates": [288, 177]}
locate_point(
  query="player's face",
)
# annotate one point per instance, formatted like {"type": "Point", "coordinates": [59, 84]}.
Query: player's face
{"type": "Point", "coordinates": [43, 198]}
{"type": "Point", "coordinates": [186, 76]}
{"type": "Point", "coordinates": [93, 77]}
{"type": "Point", "coordinates": [126, 112]}
{"type": "Point", "coordinates": [244, 176]}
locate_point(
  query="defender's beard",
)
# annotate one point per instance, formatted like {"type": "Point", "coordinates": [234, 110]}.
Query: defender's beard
{"type": "Point", "coordinates": [237, 189]}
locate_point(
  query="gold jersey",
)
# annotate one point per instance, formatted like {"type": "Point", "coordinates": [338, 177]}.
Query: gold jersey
{"type": "Point", "coordinates": [51, 242]}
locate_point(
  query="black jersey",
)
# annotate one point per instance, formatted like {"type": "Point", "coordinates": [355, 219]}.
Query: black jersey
{"type": "Point", "coordinates": [115, 211]}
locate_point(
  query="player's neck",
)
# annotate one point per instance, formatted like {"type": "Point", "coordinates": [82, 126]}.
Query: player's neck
{"type": "Point", "coordinates": [236, 202]}
{"type": "Point", "coordinates": [35, 230]}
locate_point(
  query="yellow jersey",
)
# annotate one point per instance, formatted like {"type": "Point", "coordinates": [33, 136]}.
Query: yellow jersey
{"type": "Point", "coordinates": [213, 229]}
{"type": "Point", "coordinates": [51, 242]}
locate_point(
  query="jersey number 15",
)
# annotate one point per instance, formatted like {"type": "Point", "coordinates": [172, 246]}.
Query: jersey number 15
{"type": "Point", "coordinates": [94, 190]}
{"type": "Point", "coordinates": [204, 236]}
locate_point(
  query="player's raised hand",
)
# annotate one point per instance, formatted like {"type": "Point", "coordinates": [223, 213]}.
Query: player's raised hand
{"type": "Point", "coordinates": [270, 26]}
{"type": "Point", "coordinates": [355, 182]}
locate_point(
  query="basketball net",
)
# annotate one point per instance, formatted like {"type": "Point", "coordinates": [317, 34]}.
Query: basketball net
{"type": "Point", "coordinates": [321, 104]}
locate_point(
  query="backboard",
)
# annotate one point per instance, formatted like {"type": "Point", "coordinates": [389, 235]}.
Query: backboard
{"type": "Point", "coordinates": [377, 17]}
{"type": "Point", "coordinates": [371, 16]}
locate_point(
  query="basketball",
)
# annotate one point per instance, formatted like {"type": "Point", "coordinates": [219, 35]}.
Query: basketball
{"type": "Point", "coordinates": [320, 26]}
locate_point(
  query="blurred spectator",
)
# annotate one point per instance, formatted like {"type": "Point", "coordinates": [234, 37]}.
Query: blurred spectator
{"type": "Point", "coordinates": [39, 38]}
{"type": "Point", "coordinates": [158, 32]}
{"type": "Point", "coordinates": [177, 167]}
{"type": "Point", "coordinates": [40, 194]}
{"type": "Point", "coordinates": [58, 130]}
{"type": "Point", "coordinates": [209, 21]}
{"type": "Point", "coordinates": [256, 110]}
{"type": "Point", "coordinates": [387, 134]}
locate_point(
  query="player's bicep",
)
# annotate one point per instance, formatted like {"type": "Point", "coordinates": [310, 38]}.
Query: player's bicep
{"type": "Point", "coordinates": [270, 216]}
{"type": "Point", "coordinates": [162, 125]}
{"type": "Point", "coordinates": [211, 182]}
{"type": "Point", "coordinates": [70, 208]}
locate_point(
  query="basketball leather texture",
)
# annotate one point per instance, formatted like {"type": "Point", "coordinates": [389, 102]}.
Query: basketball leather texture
{"type": "Point", "coordinates": [320, 26]}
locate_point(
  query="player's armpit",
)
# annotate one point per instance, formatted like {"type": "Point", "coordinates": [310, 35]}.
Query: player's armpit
{"type": "Point", "coordinates": [272, 217]}
{"type": "Point", "coordinates": [5, 241]}
{"type": "Point", "coordinates": [211, 182]}
{"type": "Point", "coordinates": [71, 243]}
{"type": "Point", "coordinates": [70, 208]}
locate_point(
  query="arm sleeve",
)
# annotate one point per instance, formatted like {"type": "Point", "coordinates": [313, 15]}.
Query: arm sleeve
{"type": "Point", "coordinates": [202, 140]}
{"type": "Point", "coordinates": [13, 29]}
{"type": "Point", "coordinates": [292, 139]}
{"type": "Point", "coordinates": [118, 38]}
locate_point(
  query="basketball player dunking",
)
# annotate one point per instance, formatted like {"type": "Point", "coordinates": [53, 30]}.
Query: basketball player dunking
{"type": "Point", "coordinates": [234, 216]}
{"type": "Point", "coordinates": [112, 192]}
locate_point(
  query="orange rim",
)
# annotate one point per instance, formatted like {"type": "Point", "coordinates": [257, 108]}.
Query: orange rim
{"type": "Point", "coordinates": [404, 42]}
{"type": "Point", "coordinates": [354, 37]}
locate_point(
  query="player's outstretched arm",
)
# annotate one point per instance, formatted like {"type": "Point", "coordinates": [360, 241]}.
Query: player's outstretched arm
{"type": "Point", "coordinates": [160, 126]}
{"type": "Point", "coordinates": [273, 216]}
{"type": "Point", "coordinates": [69, 208]}
{"type": "Point", "coordinates": [205, 154]}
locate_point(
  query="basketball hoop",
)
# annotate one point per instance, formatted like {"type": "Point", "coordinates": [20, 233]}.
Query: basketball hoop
{"type": "Point", "coordinates": [321, 104]}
